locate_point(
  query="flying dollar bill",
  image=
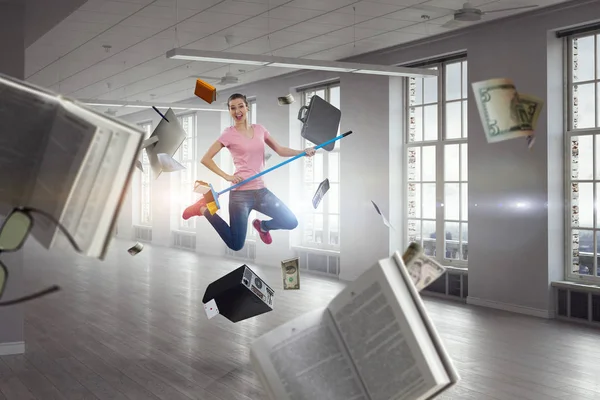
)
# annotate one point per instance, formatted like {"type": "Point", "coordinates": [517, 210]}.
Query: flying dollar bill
{"type": "Point", "coordinates": [422, 269]}
{"type": "Point", "coordinates": [506, 114]}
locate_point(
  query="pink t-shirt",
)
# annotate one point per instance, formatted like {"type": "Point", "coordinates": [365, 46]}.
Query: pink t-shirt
{"type": "Point", "coordinates": [248, 154]}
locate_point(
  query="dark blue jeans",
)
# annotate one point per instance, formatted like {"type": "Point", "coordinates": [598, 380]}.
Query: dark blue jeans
{"type": "Point", "coordinates": [241, 202]}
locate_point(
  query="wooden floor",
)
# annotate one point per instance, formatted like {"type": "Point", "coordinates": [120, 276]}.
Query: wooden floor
{"type": "Point", "coordinates": [135, 328]}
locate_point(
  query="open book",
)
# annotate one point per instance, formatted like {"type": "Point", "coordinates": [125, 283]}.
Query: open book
{"type": "Point", "coordinates": [374, 341]}
{"type": "Point", "coordinates": [64, 158]}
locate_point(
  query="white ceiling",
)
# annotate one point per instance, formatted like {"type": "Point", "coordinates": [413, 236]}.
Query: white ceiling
{"type": "Point", "coordinates": [71, 58]}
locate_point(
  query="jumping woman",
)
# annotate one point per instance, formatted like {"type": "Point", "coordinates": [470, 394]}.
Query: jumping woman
{"type": "Point", "coordinates": [246, 143]}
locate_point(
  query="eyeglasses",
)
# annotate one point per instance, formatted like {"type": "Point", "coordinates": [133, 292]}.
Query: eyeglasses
{"type": "Point", "coordinates": [13, 232]}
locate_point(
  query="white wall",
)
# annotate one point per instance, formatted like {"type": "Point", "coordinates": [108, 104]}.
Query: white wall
{"type": "Point", "coordinates": [514, 254]}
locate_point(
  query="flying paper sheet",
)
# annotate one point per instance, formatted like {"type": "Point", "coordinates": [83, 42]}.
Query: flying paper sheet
{"type": "Point", "coordinates": [506, 114]}
{"type": "Point", "coordinates": [211, 309]}
{"type": "Point", "coordinates": [135, 249]}
{"type": "Point", "coordinates": [168, 163]}
{"type": "Point", "coordinates": [138, 164]}
{"type": "Point", "coordinates": [422, 269]}
{"type": "Point", "coordinates": [385, 221]}
{"type": "Point", "coordinates": [150, 141]}
{"type": "Point", "coordinates": [321, 190]}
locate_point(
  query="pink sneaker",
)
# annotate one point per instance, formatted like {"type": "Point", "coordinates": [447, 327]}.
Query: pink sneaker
{"type": "Point", "coordinates": [194, 209]}
{"type": "Point", "coordinates": [264, 236]}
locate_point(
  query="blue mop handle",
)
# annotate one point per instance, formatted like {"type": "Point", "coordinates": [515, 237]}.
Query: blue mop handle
{"type": "Point", "coordinates": [283, 163]}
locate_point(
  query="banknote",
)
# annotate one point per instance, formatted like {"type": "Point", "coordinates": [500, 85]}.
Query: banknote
{"type": "Point", "coordinates": [285, 100]}
{"type": "Point", "coordinates": [504, 113]}
{"type": "Point", "coordinates": [290, 270]}
{"type": "Point", "coordinates": [422, 269]}
{"type": "Point", "coordinates": [533, 107]}
{"type": "Point", "coordinates": [135, 249]}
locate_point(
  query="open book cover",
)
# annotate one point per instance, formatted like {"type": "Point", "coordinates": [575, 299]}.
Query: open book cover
{"type": "Point", "coordinates": [374, 341]}
{"type": "Point", "coordinates": [66, 159]}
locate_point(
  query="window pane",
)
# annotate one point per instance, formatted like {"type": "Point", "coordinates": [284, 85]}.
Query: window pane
{"type": "Point", "coordinates": [453, 81]}
{"type": "Point", "coordinates": [416, 125]}
{"type": "Point", "coordinates": [584, 106]}
{"type": "Point", "coordinates": [464, 195]}
{"type": "Point", "coordinates": [318, 228]}
{"type": "Point", "coordinates": [464, 162]}
{"type": "Point", "coordinates": [575, 249]}
{"type": "Point", "coordinates": [429, 200]}
{"type": "Point", "coordinates": [597, 258]}
{"type": "Point", "coordinates": [334, 229]}
{"type": "Point", "coordinates": [451, 162]}
{"type": "Point", "coordinates": [429, 243]}
{"type": "Point", "coordinates": [465, 122]}
{"type": "Point", "coordinates": [453, 120]}
{"type": "Point", "coordinates": [465, 85]}
{"type": "Point", "coordinates": [597, 208]}
{"type": "Point", "coordinates": [430, 90]}
{"type": "Point", "coordinates": [451, 240]}
{"type": "Point", "coordinates": [334, 96]}
{"type": "Point", "coordinates": [428, 163]}
{"type": "Point", "coordinates": [598, 55]}
{"type": "Point", "coordinates": [582, 157]}
{"type": "Point", "coordinates": [333, 166]}
{"type": "Point", "coordinates": [333, 198]}
{"type": "Point", "coordinates": [414, 231]}
{"type": "Point", "coordinates": [586, 253]}
{"type": "Point", "coordinates": [414, 200]}
{"type": "Point", "coordinates": [583, 59]}
{"type": "Point", "coordinates": [415, 91]}
{"type": "Point", "coordinates": [451, 201]}
{"type": "Point", "coordinates": [430, 122]}
{"type": "Point", "coordinates": [583, 208]}
{"type": "Point", "coordinates": [308, 227]}
{"type": "Point", "coordinates": [309, 166]}
{"type": "Point", "coordinates": [464, 245]}
{"type": "Point", "coordinates": [414, 164]}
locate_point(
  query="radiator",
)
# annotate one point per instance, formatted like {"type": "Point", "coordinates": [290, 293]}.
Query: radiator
{"type": "Point", "coordinates": [184, 240]}
{"type": "Point", "coordinates": [142, 233]}
{"type": "Point", "coordinates": [320, 263]}
{"type": "Point", "coordinates": [248, 252]}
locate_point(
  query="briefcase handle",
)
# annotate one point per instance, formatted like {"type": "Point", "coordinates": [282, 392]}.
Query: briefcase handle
{"type": "Point", "coordinates": [301, 117]}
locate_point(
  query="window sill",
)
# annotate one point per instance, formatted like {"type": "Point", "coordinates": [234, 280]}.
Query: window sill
{"type": "Point", "coordinates": [317, 250]}
{"type": "Point", "coordinates": [584, 287]}
{"type": "Point", "coordinates": [185, 232]}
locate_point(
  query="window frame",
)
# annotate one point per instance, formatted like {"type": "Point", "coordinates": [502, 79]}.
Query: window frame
{"type": "Point", "coordinates": [147, 171]}
{"type": "Point", "coordinates": [570, 132]}
{"type": "Point", "coordinates": [182, 224]}
{"type": "Point", "coordinates": [440, 144]}
{"type": "Point", "coordinates": [326, 158]}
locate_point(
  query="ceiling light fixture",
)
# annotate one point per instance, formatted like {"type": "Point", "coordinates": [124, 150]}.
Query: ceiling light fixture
{"type": "Point", "coordinates": [140, 104]}
{"type": "Point", "coordinates": [299, 63]}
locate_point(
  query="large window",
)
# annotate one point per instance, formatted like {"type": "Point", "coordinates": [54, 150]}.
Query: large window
{"type": "Point", "coordinates": [582, 152]}
{"type": "Point", "coordinates": [145, 208]}
{"type": "Point", "coordinates": [436, 160]}
{"type": "Point", "coordinates": [186, 155]}
{"type": "Point", "coordinates": [321, 227]}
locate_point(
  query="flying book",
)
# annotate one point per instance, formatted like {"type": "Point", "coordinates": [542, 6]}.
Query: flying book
{"type": "Point", "coordinates": [205, 91]}
{"type": "Point", "coordinates": [66, 159]}
{"type": "Point", "coordinates": [374, 341]}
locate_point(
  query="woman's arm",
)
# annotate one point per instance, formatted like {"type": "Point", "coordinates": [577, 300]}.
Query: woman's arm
{"type": "Point", "coordinates": [207, 160]}
{"type": "Point", "coordinates": [286, 151]}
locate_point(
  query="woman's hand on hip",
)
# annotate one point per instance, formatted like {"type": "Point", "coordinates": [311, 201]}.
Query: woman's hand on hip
{"type": "Point", "coordinates": [234, 178]}
{"type": "Point", "coordinates": [310, 151]}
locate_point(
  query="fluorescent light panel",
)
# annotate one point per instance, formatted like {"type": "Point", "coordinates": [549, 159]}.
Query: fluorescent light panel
{"type": "Point", "coordinates": [300, 63]}
{"type": "Point", "coordinates": [174, 106]}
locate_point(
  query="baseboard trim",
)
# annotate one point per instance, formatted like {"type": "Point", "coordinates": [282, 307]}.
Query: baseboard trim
{"type": "Point", "coordinates": [534, 312]}
{"type": "Point", "coordinates": [10, 348]}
